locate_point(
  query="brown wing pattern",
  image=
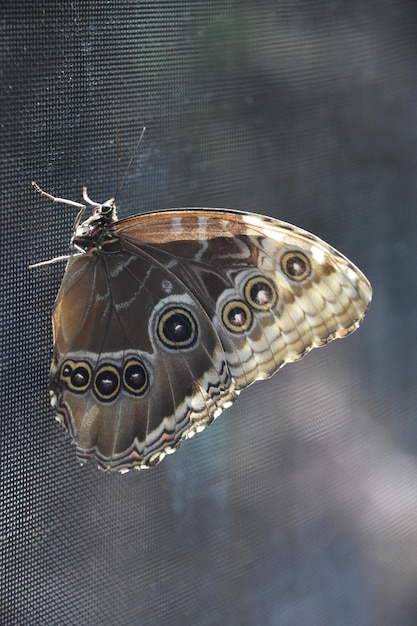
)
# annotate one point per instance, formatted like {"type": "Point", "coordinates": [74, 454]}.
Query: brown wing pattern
{"type": "Point", "coordinates": [156, 335]}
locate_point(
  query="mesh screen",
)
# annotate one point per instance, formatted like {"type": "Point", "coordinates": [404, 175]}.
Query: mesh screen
{"type": "Point", "coordinates": [297, 506]}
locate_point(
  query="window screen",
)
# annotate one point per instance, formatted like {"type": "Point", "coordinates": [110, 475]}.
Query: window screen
{"type": "Point", "coordinates": [298, 506]}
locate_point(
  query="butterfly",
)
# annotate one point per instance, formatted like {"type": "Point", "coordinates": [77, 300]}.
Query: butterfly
{"type": "Point", "coordinates": [163, 318]}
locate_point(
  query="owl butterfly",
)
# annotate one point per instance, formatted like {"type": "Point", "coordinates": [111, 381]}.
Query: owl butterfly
{"type": "Point", "coordinates": [163, 318]}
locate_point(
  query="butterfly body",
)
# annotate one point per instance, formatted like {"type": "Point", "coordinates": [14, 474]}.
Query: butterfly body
{"type": "Point", "coordinates": [164, 317]}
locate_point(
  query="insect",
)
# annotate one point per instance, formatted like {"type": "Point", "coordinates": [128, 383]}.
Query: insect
{"type": "Point", "coordinates": [163, 318]}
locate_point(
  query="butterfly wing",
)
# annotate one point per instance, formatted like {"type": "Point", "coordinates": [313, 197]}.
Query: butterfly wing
{"type": "Point", "coordinates": [137, 363]}
{"type": "Point", "coordinates": [273, 291]}
{"type": "Point", "coordinates": [156, 334]}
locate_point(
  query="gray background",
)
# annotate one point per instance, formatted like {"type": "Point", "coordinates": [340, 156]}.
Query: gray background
{"type": "Point", "coordinates": [299, 505]}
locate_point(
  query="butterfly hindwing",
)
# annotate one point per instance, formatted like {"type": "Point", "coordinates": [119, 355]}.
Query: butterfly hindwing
{"type": "Point", "coordinates": [123, 383]}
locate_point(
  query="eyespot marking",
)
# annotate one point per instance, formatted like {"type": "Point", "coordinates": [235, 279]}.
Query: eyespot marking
{"type": "Point", "coordinates": [106, 382]}
{"type": "Point", "coordinates": [261, 293]}
{"type": "Point", "coordinates": [135, 377]}
{"type": "Point", "coordinates": [237, 316]}
{"type": "Point", "coordinates": [296, 265]}
{"type": "Point", "coordinates": [76, 375]}
{"type": "Point", "coordinates": [177, 328]}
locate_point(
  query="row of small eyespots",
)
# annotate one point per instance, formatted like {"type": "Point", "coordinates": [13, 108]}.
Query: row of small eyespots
{"type": "Point", "coordinates": [261, 293]}
{"type": "Point", "coordinates": [107, 380]}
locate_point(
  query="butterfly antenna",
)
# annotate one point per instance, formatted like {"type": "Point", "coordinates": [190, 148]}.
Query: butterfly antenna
{"type": "Point", "coordinates": [117, 134]}
{"type": "Point", "coordinates": [134, 153]}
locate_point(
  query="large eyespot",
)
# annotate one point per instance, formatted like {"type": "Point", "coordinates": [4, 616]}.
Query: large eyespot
{"type": "Point", "coordinates": [107, 382]}
{"type": "Point", "coordinates": [296, 265]}
{"type": "Point", "coordinates": [177, 328]}
{"type": "Point", "coordinates": [261, 293]}
{"type": "Point", "coordinates": [76, 375]}
{"type": "Point", "coordinates": [237, 316]}
{"type": "Point", "coordinates": [135, 377]}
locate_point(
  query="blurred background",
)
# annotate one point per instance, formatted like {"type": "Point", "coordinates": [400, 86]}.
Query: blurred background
{"type": "Point", "coordinates": [299, 505]}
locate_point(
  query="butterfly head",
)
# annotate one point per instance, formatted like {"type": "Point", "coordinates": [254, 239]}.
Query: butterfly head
{"type": "Point", "coordinates": [89, 234]}
{"type": "Point", "coordinates": [107, 209]}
